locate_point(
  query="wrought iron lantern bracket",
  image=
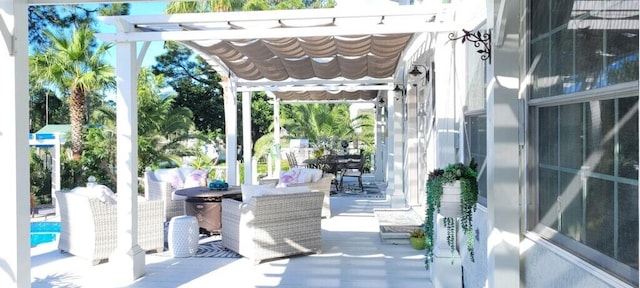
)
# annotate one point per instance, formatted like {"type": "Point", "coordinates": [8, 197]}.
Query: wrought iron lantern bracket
{"type": "Point", "coordinates": [477, 38]}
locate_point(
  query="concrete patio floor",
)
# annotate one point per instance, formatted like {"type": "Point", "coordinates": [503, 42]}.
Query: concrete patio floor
{"type": "Point", "coordinates": [353, 256]}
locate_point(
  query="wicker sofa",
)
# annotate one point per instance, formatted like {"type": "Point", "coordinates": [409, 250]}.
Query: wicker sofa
{"type": "Point", "coordinates": [273, 226]}
{"type": "Point", "coordinates": [323, 185]}
{"type": "Point", "coordinates": [88, 226]}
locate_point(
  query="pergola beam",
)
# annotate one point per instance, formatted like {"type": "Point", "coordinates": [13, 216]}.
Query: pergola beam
{"type": "Point", "coordinates": [329, 88]}
{"type": "Point", "coordinates": [282, 15]}
{"type": "Point", "coordinates": [272, 33]}
{"type": "Point", "coordinates": [301, 82]}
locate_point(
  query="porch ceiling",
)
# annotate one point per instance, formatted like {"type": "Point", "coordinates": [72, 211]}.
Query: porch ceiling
{"type": "Point", "coordinates": [314, 54]}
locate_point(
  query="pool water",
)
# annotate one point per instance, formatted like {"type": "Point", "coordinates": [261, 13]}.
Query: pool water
{"type": "Point", "coordinates": [44, 232]}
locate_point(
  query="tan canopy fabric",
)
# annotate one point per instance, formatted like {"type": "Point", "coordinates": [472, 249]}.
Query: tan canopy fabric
{"type": "Point", "coordinates": [351, 57]}
{"type": "Point", "coordinates": [326, 95]}
{"type": "Point", "coordinates": [295, 53]}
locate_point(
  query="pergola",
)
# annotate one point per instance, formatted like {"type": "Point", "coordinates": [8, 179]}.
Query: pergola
{"type": "Point", "coordinates": [294, 55]}
{"type": "Point", "coordinates": [319, 55]}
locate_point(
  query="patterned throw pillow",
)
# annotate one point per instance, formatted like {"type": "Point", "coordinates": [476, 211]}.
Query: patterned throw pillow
{"type": "Point", "coordinates": [288, 177]}
{"type": "Point", "coordinates": [171, 175]}
{"type": "Point", "coordinates": [196, 178]}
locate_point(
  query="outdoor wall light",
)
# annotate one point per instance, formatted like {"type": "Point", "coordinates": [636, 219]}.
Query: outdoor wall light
{"type": "Point", "coordinates": [477, 38]}
{"type": "Point", "coordinates": [415, 75]}
{"type": "Point", "coordinates": [381, 100]}
{"type": "Point", "coordinates": [399, 91]}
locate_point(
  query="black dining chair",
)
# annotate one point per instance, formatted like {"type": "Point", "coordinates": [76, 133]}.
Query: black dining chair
{"type": "Point", "coordinates": [354, 169]}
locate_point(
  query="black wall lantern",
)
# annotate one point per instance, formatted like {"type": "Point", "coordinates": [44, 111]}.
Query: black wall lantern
{"type": "Point", "coordinates": [477, 38]}
{"type": "Point", "coordinates": [415, 74]}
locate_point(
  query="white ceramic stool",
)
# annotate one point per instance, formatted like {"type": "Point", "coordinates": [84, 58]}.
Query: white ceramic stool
{"type": "Point", "coordinates": [183, 236]}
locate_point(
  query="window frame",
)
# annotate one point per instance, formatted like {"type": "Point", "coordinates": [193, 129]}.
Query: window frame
{"type": "Point", "coordinates": [617, 269]}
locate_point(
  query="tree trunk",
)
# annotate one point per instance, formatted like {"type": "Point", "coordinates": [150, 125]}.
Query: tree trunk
{"type": "Point", "coordinates": [76, 109]}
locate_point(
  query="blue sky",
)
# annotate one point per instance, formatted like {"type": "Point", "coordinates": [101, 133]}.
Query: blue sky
{"type": "Point", "coordinates": [155, 48]}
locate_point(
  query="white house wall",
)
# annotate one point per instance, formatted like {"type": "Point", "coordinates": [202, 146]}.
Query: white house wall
{"type": "Point", "coordinates": [549, 266]}
{"type": "Point", "coordinates": [446, 132]}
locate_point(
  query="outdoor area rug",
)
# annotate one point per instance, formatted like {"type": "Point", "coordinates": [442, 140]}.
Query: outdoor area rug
{"type": "Point", "coordinates": [209, 246]}
{"type": "Point", "coordinates": [351, 189]}
{"type": "Point", "coordinates": [213, 249]}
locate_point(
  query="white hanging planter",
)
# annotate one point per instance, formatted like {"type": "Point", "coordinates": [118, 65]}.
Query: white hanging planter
{"type": "Point", "coordinates": [450, 202]}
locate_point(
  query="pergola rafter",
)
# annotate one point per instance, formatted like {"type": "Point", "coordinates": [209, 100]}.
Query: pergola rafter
{"type": "Point", "coordinates": [316, 51]}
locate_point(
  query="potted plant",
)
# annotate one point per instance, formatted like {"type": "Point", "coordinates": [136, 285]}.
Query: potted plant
{"type": "Point", "coordinates": [457, 178]}
{"type": "Point", "coordinates": [416, 238]}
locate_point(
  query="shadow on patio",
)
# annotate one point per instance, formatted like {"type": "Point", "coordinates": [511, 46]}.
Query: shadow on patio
{"type": "Point", "coordinates": [353, 255]}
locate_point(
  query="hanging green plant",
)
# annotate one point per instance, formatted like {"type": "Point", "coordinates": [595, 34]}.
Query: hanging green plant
{"type": "Point", "coordinates": [437, 179]}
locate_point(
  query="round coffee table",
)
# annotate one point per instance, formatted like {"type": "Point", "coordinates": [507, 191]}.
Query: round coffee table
{"type": "Point", "coordinates": [205, 204]}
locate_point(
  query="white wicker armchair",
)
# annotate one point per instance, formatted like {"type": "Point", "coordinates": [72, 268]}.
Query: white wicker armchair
{"type": "Point", "coordinates": [323, 185]}
{"type": "Point", "coordinates": [155, 189]}
{"type": "Point", "coordinates": [88, 226]}
{"type": "Point", "coordinates": [273, 226]}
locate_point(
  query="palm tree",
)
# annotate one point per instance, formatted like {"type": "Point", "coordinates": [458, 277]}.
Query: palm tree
{"type": "Point", "coordinates": [314, 121]}
{"type": "Point", "coordinates": [204, 6]}
{"type": "Point", "coordinates": [73, 67]}
{"type": "Point", "coordinates": [162, 128]}
{"type": "Point", "coordinates": [319, 123]}
{"type": "Point", "coordinates": [244, 5]}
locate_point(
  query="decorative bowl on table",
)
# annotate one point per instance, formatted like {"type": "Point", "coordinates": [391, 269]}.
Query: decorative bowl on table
{"type": "Point", "coordinates": [218, 185]}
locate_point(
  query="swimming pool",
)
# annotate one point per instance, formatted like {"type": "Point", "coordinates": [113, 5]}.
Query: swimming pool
{"type": "Point", "coordinates": [44, 232]}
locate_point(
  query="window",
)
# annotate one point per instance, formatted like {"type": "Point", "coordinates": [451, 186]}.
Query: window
{"type": "Point", "coordinates": [475, 126]}
{"type": "Point", "coordinates": [475, 139]}
{"type": "Point", "coordinates": [582, 45]}
{"type": "Point", "coordinates": [587, 180]}
{"type": "Point", "coordinates": [584, 113]}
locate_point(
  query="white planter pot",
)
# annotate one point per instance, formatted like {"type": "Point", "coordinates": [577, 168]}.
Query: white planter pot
{"type": "Point", "coordinates": [450, 201]}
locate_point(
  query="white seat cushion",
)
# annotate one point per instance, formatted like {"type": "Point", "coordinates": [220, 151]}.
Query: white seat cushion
{"type": "Point", "coordinates": [287, 190]}
{"type": "Point", "coordinates": [100, 192]}
{"type": "Point", "coordinates": [250, 191]}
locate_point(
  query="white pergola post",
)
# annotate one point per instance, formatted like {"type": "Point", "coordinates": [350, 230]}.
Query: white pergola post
{"type": "Point", "coordinates": [15, 255]}
{"type": "Point", "coordinates": [412, 156]}
{"type": "Point", "coordinates": [128, 260]}
{"type": "Point", "coordinates": [276, 136]}
{"type": "Point", "coordinates": [55, 170]}
{"type": "Point", "coordinates": [379, 136]}
{"type": "Point", "coordinates": [247, 151]}
{"type": "Point", "coordinates": [396, 143]}
{"type": "Point", "coordinates": [503, 151]}
{"type": "Point", "coordinates": [231, 128]}
{"type": "Point", "coordinates": [389, 144]}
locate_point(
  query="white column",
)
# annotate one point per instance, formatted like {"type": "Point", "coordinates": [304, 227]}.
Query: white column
{"type": "Point", "coordinates": [15, 255]}
{"type": "Point", "coordinates": [231, 130]}
{"type": "Point", "coordinates": [128, 259]}
{"type": "Point", "coordinates": [389, 141]}
{"type": "Point", "coordinates": [413, 183]}
{"type": "Point", "coordinates": [55, 172]}
{"type": "Point", "coordinates": [276, 135]}
{"type": "Point", "coordinates": [446, 269]}
{"type": "Point", "coordinates": [397, 195]}
{"type": "Point", "coordinates": [503, 153]}
{"type": "Point", "coordinates": [247, 151]}
{"type": "Point", "coordinates": [379, 136]}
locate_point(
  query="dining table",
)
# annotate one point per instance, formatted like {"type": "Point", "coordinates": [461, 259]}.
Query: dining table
{"type": "Point", "coordinates": [333, 163]}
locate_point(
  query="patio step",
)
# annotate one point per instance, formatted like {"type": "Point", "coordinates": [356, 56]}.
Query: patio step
{"type": "Point", "coordinates": [395, 224]}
